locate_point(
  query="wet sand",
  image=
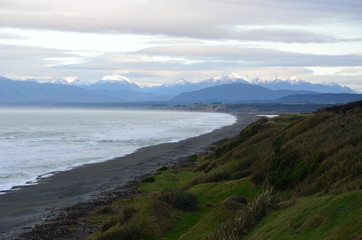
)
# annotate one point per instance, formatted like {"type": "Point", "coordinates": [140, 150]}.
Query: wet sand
{"type": "Point", "coordinates": [20, 209]}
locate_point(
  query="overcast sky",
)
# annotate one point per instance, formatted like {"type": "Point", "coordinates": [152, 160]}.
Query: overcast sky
{"type": "Point", "coordinates": [154, 41]}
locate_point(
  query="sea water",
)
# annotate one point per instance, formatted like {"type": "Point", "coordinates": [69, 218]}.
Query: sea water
{"type": "Point", "coordinates": [38, 142]}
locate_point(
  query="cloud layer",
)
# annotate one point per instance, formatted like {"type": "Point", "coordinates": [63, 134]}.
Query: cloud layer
{"type": "Point", "coordinates": [189, 38]}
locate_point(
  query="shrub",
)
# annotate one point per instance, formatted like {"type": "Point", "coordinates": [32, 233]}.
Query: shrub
{"type": "Point", "coordinates": [179, 199]}
{"type": "Point", "coordinates": [193, 158]}
{"type": "Point", "coordinates": [201, 167]}
{"type": "Point", "coordinates": [122, 218]}
{"type": "Point", "coordinates": [218, 177]}
{"type": "Point", "coordinates": [242, 174]}
{"type": "Point", "coordinates": [149, 179]}
{"type": "Point", "coordinates": [130, 232]}
{"type": "Point", "coordinates": [210, 166]}
{"type": "Point", "coordinates": [105, 210]}
{"type": "Point", "coordinates": [110, 223]}
{"type": "Point", "coordinates": [208, 178]}
{"type": "Point", "coordinates": [239, 200]}
{"type": "Point", "coordinates": [242, 223]}
{"type": "Point", "coordinates": [164, 168]}
{"type": "Point", "coordinates": [127, 213]}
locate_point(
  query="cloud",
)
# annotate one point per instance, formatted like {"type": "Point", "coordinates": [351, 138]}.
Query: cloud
{"type": "Point", "coordinates": [189, 18]}
{"type": "Point", "coordinates": [190, 38]}
{"type": "Point", "coordinates": [23, 60]}
{"type": "Point", "coordinates": [254, 56]}
{"type": "Point", "coordinates": [10, 36]}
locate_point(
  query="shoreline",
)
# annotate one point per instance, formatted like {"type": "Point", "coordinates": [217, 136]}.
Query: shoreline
{"type": "Point", "coordinates": [30, 205]}
{"type": "Point", "coordinates": [34, 178]}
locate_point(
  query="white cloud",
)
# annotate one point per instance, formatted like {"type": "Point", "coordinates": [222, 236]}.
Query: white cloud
{"type": "Point", "coordinates": [152, 41]}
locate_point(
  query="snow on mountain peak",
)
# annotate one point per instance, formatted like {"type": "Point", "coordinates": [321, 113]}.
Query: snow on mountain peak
{"type": "Point", "coordinates": [66, 80]}
{"type": "Point", "coordinates": [226, 78]}
{"type": "Point", "coordinates": [233, 76]}
{"type": "Point", "coordinates": [116, 78]}
{"type": "Point", "coordinates": [180, 81]}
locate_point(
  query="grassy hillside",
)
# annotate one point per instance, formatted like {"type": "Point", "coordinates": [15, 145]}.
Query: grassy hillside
{"type": "Point", "coordinates": [291, 177]}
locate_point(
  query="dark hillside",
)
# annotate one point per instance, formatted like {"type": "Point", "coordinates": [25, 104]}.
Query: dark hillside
{"type": "Point", "coordinates": [353, 106]}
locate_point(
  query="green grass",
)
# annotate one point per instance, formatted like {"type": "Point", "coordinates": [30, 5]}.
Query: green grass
{"type": "Point", "coordinates": [199, 224]}
{"type": "Point", "coordinates": [187, 221]}
{"type": "Point", "coordinates": [313, 160]}
{"type": "Point", "coordinates": [168, 179]}
{"type": "Point", "coordinates": [315, 217]}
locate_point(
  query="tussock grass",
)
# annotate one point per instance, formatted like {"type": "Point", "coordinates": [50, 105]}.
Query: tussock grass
{"type": "Point", "coordinates": [179, 199]}
{"type": "Point", "coordinates": [207, 178]}
{"type": "Point", "coordinates": [239, 226]}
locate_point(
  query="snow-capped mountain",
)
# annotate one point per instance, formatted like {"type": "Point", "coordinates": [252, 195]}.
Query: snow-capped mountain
{"type": "Point", "coordinates": [223, 79]}
{"type": "Point", "coordinates": [173, 88]}
{"type": "Point", "coordinates": [116, 78]}
{"type": "Point", "coordinates": [178, 82]}
{"type": "Point", "coordinates": [294, 83]}
{"type": "Point", "coordinates": [182, 85]}
{"type": "Point", "coordinates": [68, 81]}
{"type": "Point", "coordinates": [121, 88]}
{"type": "Point", "coordinates": [114, 82]}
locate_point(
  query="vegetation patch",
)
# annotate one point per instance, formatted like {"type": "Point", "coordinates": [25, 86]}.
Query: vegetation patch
{"type": "Point", "coordinates": [164, 168]}
{"type": "Point", "coordinates": [208, 178]}
{"type": "Point", "coordinates": [149, 179]}
{"type": "Point", "coordinates": [311, 164]}
{"type": "Point", "coordinates": [129, 232]}
{"type": "Point", "coordinates": [240, 225]}
{"type": "Point", "coordinates": [179, 199]}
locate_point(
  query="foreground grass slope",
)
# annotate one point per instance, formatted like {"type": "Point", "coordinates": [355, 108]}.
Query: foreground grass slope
{"type": "Point", "coordinates": [291, 177]}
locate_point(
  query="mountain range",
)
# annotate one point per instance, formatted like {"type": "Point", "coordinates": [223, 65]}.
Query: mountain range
{"type": "Point", "coordinates": [234, 93]}
{"type": "Point", "coordinates": [230, 88]}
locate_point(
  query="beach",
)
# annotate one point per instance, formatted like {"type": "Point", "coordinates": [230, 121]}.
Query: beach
{"type": "Point", "coordinates": [21, 209]}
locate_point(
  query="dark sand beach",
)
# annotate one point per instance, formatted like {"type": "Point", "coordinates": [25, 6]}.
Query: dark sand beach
{"type": "Point", "coordinates": [21, 209]}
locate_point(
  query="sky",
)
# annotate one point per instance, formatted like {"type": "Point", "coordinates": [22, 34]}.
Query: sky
{"type": "Point", "coordinates": [154, 41]}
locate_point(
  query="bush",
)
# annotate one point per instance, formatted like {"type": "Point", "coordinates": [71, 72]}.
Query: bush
{"type": "Point", "coordinates": [179, 199]}
{"type": "Point", "coordinates": [210, 166]}
{"type": "Point", "coordinates": [127, 213]}
{"type": "Point", "coordinates": [105, 210]}
{"type": "Point", "coordinates": [242, 174]}
{"type": "Point", "coordinates": [201, 167]}
{"type": "Point", "coordinates": [193, 158]}
{"type": "Point", "coordinates": [242, 223]}
{"type": "Point", "coordinates": [110, 223]}
{"type": "Point", "coordinates": [122, 218]}
{"type": "Point", "coordinates": [164, 168]}
{"type": "Point", "coordinates": [149, 179]}
{"type": "Point", "coordinates": [208, 178]}
{"type": "Point", "coordinates": [130, 232]}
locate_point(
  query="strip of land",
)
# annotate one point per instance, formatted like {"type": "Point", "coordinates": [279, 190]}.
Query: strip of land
{"type": "Point", "coordinates": [21, 209]}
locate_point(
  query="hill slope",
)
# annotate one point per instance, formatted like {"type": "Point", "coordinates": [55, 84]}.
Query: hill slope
{"type": "Point", "coordinates": [321, 98]}
{"type": "Point", "coordinates": [291, 177]}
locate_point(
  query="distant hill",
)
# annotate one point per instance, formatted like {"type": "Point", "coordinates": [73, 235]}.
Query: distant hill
{"type": "Point", "coordinates": [182, 85]}
{"type": "Point", "coordinates": [124, 91]}
{"type": "Point", "coordinates": [352, 106]}
{"type": "Point", "coordinates": [321, 98]}
{"type": "Point", "coordinates": [24, 92]}
{"type": "Point", "coordinates": [233, 93]}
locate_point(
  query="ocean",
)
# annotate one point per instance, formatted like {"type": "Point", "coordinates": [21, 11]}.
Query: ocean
{"type": "Point", "coordinates": [38, 142]}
